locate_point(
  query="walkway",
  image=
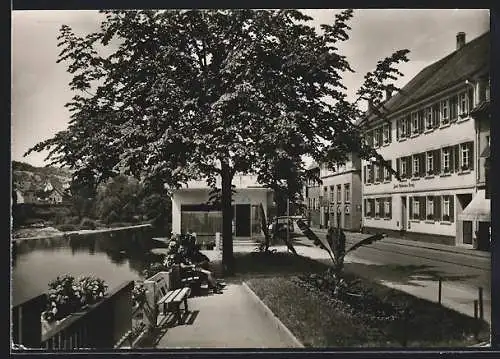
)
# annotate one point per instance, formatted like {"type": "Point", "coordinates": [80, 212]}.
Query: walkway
{"type": "Point", "coordinates": [227, 320]}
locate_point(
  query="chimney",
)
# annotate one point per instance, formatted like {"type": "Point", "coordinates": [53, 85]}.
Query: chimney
{"type": "Point", "coordinates": [388, 94]}
{"type": "Point", "coordinates": [460, 40]}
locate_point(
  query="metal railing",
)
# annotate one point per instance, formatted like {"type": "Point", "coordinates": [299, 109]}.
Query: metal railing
{"type": "Point", "coordinates": [100, 326]}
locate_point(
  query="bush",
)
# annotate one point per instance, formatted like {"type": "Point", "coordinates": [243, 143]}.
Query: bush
{"type": "Point", "coordinates": [32, 221]}
{"type": "Point", "coordinates": [67, 227]}
{"type": "Point", "coordinates": [88, 223]}
{"type": "Point", "coordinates": [112, 217]}
{"type": "Point", "coordinates": [72, 220]}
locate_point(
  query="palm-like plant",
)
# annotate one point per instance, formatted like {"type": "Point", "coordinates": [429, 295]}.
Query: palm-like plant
{"type": "Point", "coordinates": [264, 247]}
{"type": "Point", "coordinates": [335, 244]}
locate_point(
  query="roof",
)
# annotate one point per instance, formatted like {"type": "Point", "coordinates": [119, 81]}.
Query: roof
{"type": "Point", "coordinates": [456, 67]}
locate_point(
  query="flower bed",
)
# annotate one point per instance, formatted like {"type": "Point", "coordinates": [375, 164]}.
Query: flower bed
{"type": "Point", "coordinates": [68, 295]}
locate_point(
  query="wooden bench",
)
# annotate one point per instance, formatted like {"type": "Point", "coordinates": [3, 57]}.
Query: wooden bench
{"type": "Point", "coordinates": [171, 300]}
{"type": "Point", "coordinates": [191, 279]}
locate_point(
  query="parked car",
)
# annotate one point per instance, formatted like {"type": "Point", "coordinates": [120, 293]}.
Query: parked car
{"type": "Point", "coordinates": [279, 224]}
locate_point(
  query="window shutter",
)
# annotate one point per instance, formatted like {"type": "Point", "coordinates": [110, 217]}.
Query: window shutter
{"type": "Point", "coordinates": [372, 173]}
{"type": "Point", "coordinates": [437, 208]}
{"type": "Point", "coordinates": [421, 166]}
{"type": "Point", "coordinates": [410, 201]}
{"type": "Point", "coordinates": [390, 131]}
{"type": "Point", "coordinates": [398, 123]}
{"type": "Point", "coordinates": [453, 165]}
{"type": "Point", "coordinates": [457, 157]}
{"type": "Point", "coordinates": [437, 161]}
{"type": "Point", "coordinates": [422, 205]}
{"type": "Point", "coordinates": [453, 108]}
{"type": "Point", "coordinates": [452, 211]}
{"type": "Point", "coordinates": [364, 174]}
{"type": "Point", "coordinates": [470, 145]}
{"type": "Point", "coordinates": [390, 207]}
{"type": "Point", "coordinates": [421, 125]}
{"type": "Point", "coordinates": [470, 100]}
{"type": "Point", "coordinates": [398, 166]}
{"type": "Point", "coordinates": [408, 125]}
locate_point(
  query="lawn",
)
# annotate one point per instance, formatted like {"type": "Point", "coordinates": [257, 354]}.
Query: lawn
{"type": "Point", "coordinates": [320, 320]}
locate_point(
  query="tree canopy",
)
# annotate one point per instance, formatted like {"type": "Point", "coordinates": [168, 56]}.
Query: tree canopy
{"type": "Point", "coordinates": [189, 94]}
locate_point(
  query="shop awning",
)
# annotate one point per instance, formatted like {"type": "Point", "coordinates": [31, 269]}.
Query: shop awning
{"type": "Point", "coordinates": [486, 152]}
{"type": "Point", "coordinates": [478, 209]}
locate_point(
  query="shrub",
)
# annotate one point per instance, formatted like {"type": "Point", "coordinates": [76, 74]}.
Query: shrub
{"type": "Point", "coordinates": [152, 269]}
{"type": "Point", "coordinates": [72, 220]}
{"type": "Point", "coordinates": [67, 227]}
{"type": "Point", "coordinates": [32, 221]}
{"type": "Point", "coordinates": [88, 223]}
{"type": "Point", "coordinates": [112, 217]}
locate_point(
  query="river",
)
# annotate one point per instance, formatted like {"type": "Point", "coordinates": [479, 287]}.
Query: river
{"type": "Point", "coordinates": [112, 256]}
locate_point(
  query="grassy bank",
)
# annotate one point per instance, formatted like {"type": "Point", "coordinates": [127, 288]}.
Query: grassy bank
{"type": "Point", "coordinates": [321, 320]}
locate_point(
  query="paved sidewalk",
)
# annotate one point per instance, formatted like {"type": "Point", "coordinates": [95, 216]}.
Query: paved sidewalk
{"type": "Point", "coordinates": [227, 320]}
{"type": "Point", "coordinates": [412, 243]}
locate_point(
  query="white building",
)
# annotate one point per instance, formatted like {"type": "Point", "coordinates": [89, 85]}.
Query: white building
{"type": "Point", "coordinates": [427, 135]}
{"type": "Point", "coordinates": [191, 213]}
{"type": "Point", "coordinates": [340, 195]}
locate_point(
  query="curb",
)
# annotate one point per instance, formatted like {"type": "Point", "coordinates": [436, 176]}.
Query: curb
{"type": "Point", "coordinates": [268, 313]}
{"type": "Point", "coordinates": [408, 243]}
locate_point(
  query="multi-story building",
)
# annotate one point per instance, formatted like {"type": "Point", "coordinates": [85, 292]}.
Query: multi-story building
{"type": "Point", "coordinates": [312, 196]}
{"type": "Point", "coordinates": [425, 132]}
{"type": "Point", "coordinates": [478, 211]}
{"type": "Point", "coordinates": [340, 195]}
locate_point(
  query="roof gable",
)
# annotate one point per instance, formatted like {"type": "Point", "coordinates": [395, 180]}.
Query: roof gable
{"type": "Point", "coordinates": [458, 66]}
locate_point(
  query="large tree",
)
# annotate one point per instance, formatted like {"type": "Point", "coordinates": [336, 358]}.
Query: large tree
{"type": "Point", "coordinates": [185, 94]}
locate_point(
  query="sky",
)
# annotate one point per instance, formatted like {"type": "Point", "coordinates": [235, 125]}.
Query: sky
{"type": "Point", "coordinates": [40, 85]}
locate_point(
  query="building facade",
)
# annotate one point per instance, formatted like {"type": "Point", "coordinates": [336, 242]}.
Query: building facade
{"type": "Point", "coordinates": [192, 213]}
{"type": "Point", "coordinates": [312, 193]}
{"type": "Point", "coordinates": [478, 212]}
{"type": "Point", "coordinates": [340, 198]}
{"type": "Point", "coordinates": [426, 133]}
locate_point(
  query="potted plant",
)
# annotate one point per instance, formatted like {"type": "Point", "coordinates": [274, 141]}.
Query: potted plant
{"type": "Point", "coordinates": [446, 218]}
{"type": "Point", "coordinates": [430, 172]}
{"type": "Point", "coordinates": [465, 167]}
{"type": "Point", "coordinates": [415, 174]}
{"type": "Point", "coordinates": [430, 217]}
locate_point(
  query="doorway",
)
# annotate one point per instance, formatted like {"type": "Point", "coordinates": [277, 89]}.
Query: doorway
{"type": "Point", "coordinates": [242, 220]}
{"type": "Point", "coordinates": [464, 230]}
{"type": "Point", "coordinates": [467, 232]}
{"type": "Point", "coordinates": [403, 214]}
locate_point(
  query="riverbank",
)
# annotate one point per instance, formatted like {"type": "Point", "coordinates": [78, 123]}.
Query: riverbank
{"type": "Point", "coordinates": [50, 232]}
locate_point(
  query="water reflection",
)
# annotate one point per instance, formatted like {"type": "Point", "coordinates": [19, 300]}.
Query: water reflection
{"type": "Point", "coordinates": [38, 261]}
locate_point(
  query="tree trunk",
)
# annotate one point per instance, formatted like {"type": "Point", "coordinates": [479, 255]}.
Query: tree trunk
{"type": "Point", "coordinates": [227, 220]}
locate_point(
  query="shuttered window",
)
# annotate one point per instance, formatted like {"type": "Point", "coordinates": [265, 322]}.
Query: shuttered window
{"type": "Point", "coordinates": [421, 203]}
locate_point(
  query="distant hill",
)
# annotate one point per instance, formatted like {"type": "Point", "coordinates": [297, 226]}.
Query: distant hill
{"type": "Point", "coordinates": [26, 177]}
